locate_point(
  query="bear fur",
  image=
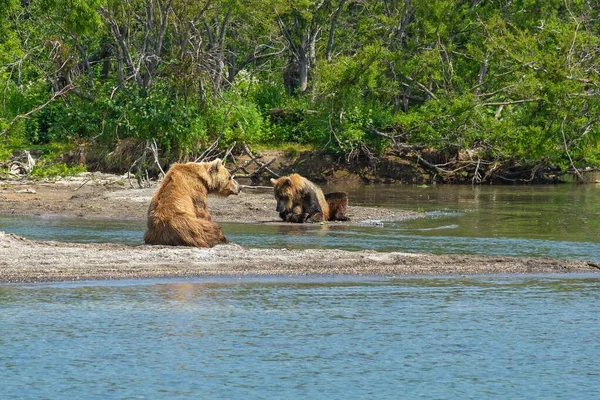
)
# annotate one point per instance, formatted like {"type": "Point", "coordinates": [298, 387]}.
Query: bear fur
{"type": "Point", "coordinates": [299, 200]}
{"type": "Point", "coordinates": [178, 216]}
{"type": "Point", "coordinates": [294, 215]}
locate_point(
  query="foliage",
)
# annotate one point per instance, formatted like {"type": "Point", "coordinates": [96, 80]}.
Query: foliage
{"type": "Point", "coordinates": [514, 80]}
{"type": "Point", "coordinates": [55, 170]}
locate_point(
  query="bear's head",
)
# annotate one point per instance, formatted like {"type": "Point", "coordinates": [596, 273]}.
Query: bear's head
{"type": "Point", "coordinates": [285, 193]}
{"type": "Point", "coordinates": [218, 179]}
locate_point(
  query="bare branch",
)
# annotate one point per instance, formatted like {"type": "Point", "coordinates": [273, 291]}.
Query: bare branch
{"type": "Point", "coordinates": [153, 147]}
{"type": "Point", "coordinates": [422, 87]}
{"type": "Point", "coordinates": [508, 103]}
{"type": "Point", "coordinates": [261, 166]}
{"type": "Point", "coordinates": [562, 130]}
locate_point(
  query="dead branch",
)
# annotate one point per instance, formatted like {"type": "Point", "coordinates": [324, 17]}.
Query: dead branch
{"type": "Point", "coordinates": [490, 172]}
{"type": "Point", "coordinates": [508, 103]}
{"type": "Point", "coordinates": [433, 166]}
{"type": "Point", "coordinates": [228, 153]}
{"type": "Point", "coordinates": [244, 187]}
{"type": "Point", "coordinates": [562, 130]}
{"type": "Point", "coordinates": [243, 167]}
{"type": "Point", "coordinates": [476, 175]}
{"type": "Point", "coordinates": [153, 147]}
{"type": "Point", "coordinates": [20, 165]}
{"type": "Point", "coordinates": [422, 87]}
{"type": "Point", "coordinates": [83, 184]}
{"type": "Point", "coordinates": [138, 164]}
{"type": "Point", "coordinates": [209, 151]}
{"type": "Point", "coordinates": [264, 167]}
{"type": "Point", "coordinates": [261, 166]}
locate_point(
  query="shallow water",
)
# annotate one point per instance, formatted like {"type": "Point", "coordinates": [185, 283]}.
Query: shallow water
{"type": "Point", "coordinates": [552, 221]}
{"type": "Point", "coordinates": [533, 337]}
{"type": "Point", "coordinates": [549, 212]}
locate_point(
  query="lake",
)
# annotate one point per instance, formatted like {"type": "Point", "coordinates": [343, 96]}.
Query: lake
{"type": "Point", "coordinates": [494, 337]}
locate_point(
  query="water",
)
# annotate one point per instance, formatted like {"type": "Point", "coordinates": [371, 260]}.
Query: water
{"type": "Point", "coordinates": [76, 230]}
{"type": "Point", "coordinates": [549, 212]}
{"type": "Point", "coordinates": [560, 221]}
{"type": "Point", "coordinates": [498, 337]}
{"type": "Point", "coordinates": [493, 337]}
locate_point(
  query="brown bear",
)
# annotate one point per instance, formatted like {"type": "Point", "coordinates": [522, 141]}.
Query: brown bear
{"type": "Point", "coordinates": [299, 200]}
{"type": "Point", "coordinates": [178, 216]}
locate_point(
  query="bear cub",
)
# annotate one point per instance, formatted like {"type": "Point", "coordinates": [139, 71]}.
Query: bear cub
{"type": "Point", "coordinates": [178, 215]}
{"type": "Point", "coordinates": [299, 200]}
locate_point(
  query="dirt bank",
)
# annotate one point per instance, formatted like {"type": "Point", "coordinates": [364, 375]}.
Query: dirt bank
{"type": "Point", "coordinates": [98, 196]}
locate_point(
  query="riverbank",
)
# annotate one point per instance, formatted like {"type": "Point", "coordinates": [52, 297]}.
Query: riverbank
{"type": "Point", "coordinates": [411, 165]}
{"type": "Point", "coordinates": [97, 196]}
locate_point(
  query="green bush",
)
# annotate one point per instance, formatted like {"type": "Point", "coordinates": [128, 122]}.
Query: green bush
{"type": "Point", "coordinates": [55, 170]}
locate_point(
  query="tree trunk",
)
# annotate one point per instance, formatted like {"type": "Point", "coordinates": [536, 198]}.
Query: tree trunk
{"type": "Point", "coordinates": [334, 21]}
{"type": "Point", "coordinates": [303, 66]}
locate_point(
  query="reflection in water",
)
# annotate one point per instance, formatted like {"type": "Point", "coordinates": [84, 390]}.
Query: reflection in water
{"type": "Point", "coordinates": [486, 337]}
{"type": "Point", "coordinates": [318, 230]}
{"type": "Point", "coordinates": [182, 292]}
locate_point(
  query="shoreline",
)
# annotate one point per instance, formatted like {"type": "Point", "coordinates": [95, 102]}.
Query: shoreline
{"type": "Point", "coordinates": [28, 261]}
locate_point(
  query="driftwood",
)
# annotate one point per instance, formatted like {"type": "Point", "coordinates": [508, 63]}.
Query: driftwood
{"type": "Point", "coordinates": [244, 187]}
{"type": "Point", "coordinates": [261, 167]}
{"type": "Point", "coordinates": [478, 170]}
{"type": "Point", "coordinates": [141, 175]}
{"type": "Point", "coordinates": [475, 168]}
{"type": "Point", "coordinates": [139, 169]}
{"type": "Point", "coordinates": [20, 165]}
{"type": "Point", "coordinates": [210, 152]}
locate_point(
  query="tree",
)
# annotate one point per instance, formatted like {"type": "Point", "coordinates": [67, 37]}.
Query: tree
{"type": "Point", "coordinates": [301, 26]}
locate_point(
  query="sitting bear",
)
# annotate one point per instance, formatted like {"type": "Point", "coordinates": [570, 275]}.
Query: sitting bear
{"type": "Point", "coordinates": [177, 215]}
{"type": "Point", "coordinates": [299, 200]}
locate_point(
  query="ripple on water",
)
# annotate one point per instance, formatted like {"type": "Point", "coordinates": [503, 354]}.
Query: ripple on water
{"type": "Point", "coordinates": [490, 337]}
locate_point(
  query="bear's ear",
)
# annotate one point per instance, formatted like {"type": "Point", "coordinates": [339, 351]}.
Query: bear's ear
{"type": "Point", "coordinates": [274, 181]}
{"type": "Point", "coordinates": [216, 164]}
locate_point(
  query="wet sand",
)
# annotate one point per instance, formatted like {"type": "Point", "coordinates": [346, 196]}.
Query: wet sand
{"type": "Point", "coordinates": [23, 260]}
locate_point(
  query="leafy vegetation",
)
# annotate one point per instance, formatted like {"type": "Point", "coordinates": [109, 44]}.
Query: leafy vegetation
{"type": "Point", "coordinates": [488, 83]}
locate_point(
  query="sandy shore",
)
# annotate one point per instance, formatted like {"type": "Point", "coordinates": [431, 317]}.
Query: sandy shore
{"type": "Point", "coordinates": [23, 260]}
